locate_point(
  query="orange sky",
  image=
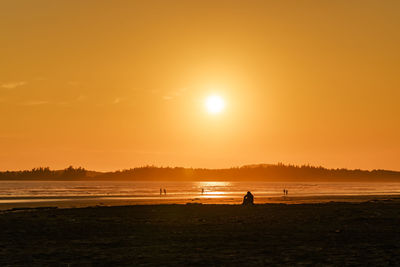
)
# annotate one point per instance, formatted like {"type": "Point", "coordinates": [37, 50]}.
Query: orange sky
{"type": "Point", "coordinates": [117, 84]}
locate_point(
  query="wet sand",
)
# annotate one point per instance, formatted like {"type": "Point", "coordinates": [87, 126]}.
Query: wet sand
{"type": "Point", "coordinates": [80, 202]}
{"type": "Point", "coordinates": [333, 233]}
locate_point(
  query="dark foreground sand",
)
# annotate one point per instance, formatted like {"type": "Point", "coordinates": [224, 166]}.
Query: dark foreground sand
{"type": "Point", "coordinates": [272, 234]}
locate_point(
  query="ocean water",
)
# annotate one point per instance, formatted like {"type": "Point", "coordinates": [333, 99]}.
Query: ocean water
{"type": "Point", "coordinates": [36, 191]}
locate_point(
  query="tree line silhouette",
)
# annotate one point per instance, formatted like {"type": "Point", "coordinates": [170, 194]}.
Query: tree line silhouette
{"type": "Point", "coordinates": [261, 172]}
{"type": "Point", "coordinates": [44, 173]}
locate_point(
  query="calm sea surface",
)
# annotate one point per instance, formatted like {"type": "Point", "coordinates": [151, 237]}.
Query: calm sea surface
{"type": "Point", "coordinates": [35, 191]}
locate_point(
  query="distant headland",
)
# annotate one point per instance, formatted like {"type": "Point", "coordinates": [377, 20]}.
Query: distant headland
{"type": "Point", "coordinates": [258, 172]}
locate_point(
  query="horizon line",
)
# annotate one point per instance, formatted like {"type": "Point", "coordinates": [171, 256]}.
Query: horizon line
{"type": "Point", "coordinates": [204, 168]}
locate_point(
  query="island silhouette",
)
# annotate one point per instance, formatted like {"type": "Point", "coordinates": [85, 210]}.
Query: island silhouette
{"type": "Point", "coordinates": [258, 172]}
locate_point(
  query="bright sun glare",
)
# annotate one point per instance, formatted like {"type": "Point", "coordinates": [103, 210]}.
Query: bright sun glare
{"type": "Point", "coordinates": [215, 104]}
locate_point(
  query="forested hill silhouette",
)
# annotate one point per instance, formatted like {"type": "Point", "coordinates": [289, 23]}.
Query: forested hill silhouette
{"type": "Point", "coordinates": [261, 172]}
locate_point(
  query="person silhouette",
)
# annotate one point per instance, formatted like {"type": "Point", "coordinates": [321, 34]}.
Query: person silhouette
{"type": "Point", "coordinates": [165, 191]}
{"type": "Point", "coordinates": [160, 191]}
{"type": "Point", "coordinates": [248, 199]}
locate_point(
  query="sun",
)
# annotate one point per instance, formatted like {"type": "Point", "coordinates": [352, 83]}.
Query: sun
{"type": "Point", "coordinates": [214, 104]}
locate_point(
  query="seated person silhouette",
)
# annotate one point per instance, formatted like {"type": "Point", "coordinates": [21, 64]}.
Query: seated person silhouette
{"type": "Point", "coordinates": [248, 199]}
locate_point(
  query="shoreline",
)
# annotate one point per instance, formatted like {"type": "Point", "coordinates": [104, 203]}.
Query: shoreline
{"type": "Point", "coordinates": [81, 202]}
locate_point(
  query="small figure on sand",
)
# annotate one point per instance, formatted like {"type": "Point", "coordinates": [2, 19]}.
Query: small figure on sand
{"type": "Point", "coordinates": [165, 191]}
{"type": "Point", "coordinates": [285, 192]}
{"type": "Point", "coordinates": [248, 199]}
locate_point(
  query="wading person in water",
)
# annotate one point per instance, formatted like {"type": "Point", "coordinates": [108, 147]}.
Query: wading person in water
{"type": "Point", "coordinates": [248, 199]}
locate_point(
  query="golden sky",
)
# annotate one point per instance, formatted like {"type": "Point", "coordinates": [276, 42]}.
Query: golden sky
{"type": "Point", "coordinates": [117, 84]}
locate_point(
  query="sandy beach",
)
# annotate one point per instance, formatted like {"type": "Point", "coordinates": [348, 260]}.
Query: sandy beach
{"type": "Point", "coordinates": [81, 202]}
{"type": "Point", "coordinates": [333, 234]}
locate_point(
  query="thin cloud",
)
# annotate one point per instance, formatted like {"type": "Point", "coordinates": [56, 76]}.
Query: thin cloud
{"type": "Point", "coordinates": [117, 101]}
{"type": "Point", "coordinates": [13, 85]}
{"type": "Point", "coordinates": [34, 103]}
{"type": "Point", "coordinates": [174, 94]}
{"type": "Point", "coordinates": [167, 97]}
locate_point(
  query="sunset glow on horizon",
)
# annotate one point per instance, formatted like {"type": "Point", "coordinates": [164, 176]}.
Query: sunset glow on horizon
{"type": "Point", "coordinates": [111, 85]}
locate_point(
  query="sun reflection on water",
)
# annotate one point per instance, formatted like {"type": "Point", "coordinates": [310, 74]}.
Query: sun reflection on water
{"type": "Point", "coordinates": [213, 189]}
{"type": "Point", "coordinates": [213, 184]}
